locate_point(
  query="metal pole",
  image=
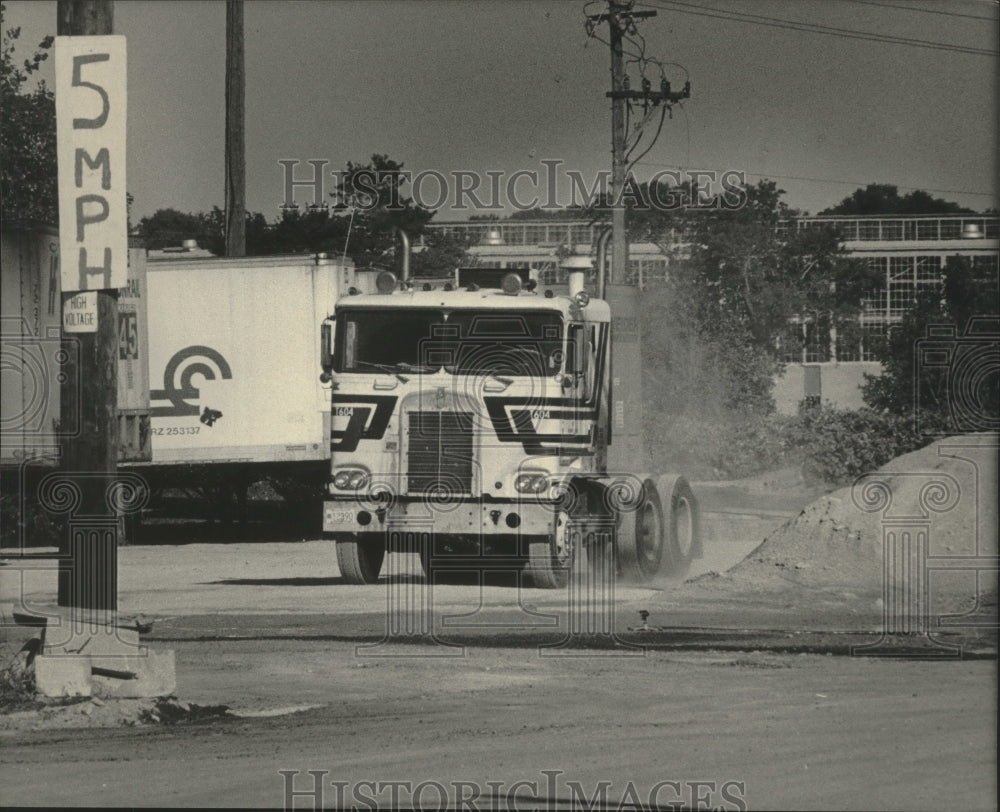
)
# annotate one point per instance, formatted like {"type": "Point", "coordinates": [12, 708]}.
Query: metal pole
{"type": "Point", "coordinates": [619, 241]}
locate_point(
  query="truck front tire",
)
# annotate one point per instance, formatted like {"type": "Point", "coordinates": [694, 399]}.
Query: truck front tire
{"type": "Point", "coordinates": [360, 558]}
{"type": "Point", "coordinates": [547, 568]}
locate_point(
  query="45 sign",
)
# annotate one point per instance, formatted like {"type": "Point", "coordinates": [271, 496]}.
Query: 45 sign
{"type": "Point", "coordinates": [128, 335]}
{"type": "Point", "coordinates": [133, 342]}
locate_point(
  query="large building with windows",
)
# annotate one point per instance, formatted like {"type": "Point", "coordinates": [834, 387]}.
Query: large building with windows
{"type": "Point", "coordinates": [908, 251]}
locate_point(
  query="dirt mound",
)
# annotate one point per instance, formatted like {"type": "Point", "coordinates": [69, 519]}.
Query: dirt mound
{"type": "Point", "coordinates": [938, 502]}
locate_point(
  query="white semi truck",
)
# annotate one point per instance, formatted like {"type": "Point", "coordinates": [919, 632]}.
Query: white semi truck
{"type": "Point", "coordinates": [489, 421]}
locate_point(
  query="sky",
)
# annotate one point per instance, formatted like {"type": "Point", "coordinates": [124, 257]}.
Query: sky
{"type": "Point", "coordinates": [501, 85]}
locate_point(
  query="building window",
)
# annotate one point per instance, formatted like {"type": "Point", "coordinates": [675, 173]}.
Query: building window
{"type": "Point", "coordinates": [951, 229]}
{"type": "Point", "coordinates": [901, 288]}
{"type": "Point", "coordinates": [873, 338]}
{"type": "Point", "coordinates": [848, 230]}
{"type": "Point", "coordinates": [849, 341]}
{"type": "Point", "coordinates": [817, 340]}
{"type": "Point", "coordinates": [548, 276]}
{"type": "Point", "coordinates": [928, 275]}
{"type": "Point", "coordinates": [892, 229]}
{"type": "Point", "coordinates": [533, 235]}
{"type": "Point", "coordinates": [928, 230]}
{"type": "Point", "coordinates": [868, 230]}
{"type": "Point", "coordinates": [985, 276]}
{"type": "Point", "coordinates": [580, 235]}
{"type": "Point", "coordinates": [805, 342]}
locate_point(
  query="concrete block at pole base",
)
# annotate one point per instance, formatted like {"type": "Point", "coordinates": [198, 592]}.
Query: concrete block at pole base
{"type": "Point", "coordinates": [99, 640]}
{"type": "Point", "coordinates": [62, 676]}
{"type": "Point", "coordinates": [133, 676]}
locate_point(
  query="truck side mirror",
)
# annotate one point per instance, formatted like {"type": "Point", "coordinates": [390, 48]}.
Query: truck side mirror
{"type": "Point", "coordinates": [326, 349]}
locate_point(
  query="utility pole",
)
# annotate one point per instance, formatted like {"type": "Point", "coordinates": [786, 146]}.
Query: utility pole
{"type": "Point", "coordinates": [235, 135]}
{"type": "Point", "coordinates": [88, 575]}
{"type": "Point", "coordinates": [619, 236]}
{"type": "Point", "coordinates": [621, 18]}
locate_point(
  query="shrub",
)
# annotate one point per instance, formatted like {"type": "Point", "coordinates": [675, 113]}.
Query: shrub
{"type": "Point", "coordinates": [17, 685]}
{"type": "Point", "coordinates": [832, 446]}
{"type": "Point", "coordinates": [837, 445]}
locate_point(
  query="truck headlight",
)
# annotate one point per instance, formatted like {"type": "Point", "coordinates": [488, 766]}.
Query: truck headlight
{"type": "Point", "coordinates": [531, 482]}
{"type": "Point", "coordinates": [350, 479]}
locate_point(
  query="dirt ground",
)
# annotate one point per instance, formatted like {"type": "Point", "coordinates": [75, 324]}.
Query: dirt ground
{"type": "Point", "coordinates": [741, 679]}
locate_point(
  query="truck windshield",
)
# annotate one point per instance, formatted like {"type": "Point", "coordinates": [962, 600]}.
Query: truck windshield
{"type": "Point", "coordinates": [528, 342]}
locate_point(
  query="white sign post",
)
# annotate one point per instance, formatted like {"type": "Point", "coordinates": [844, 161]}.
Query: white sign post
{"type": "Point", "coordinates": [90, 145]}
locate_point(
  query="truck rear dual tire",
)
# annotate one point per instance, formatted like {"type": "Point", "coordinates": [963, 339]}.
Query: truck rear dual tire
{"type": "Point", "coordinates": [681, 522]}
{"type": "Point", "coordinates": [360, 559]}
{"type": "Point", "coordinates": [659, 534]}
{"type": "Point", "coordinates": [640, 537]}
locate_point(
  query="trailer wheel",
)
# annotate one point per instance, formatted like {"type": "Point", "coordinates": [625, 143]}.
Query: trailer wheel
{"type": "Point", "coordinates": [681, 520]}
{"type": "Point", "coordinates": [640, 536]}
{"type": "Point", "coordinates": [360, 560]}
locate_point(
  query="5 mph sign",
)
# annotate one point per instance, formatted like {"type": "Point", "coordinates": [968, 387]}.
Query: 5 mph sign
{"type": "Point", "coordinates": [90, 143]}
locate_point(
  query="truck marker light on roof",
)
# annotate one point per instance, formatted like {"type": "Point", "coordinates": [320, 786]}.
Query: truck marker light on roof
{"type": "Point", "coordinates": [385, 282]}
{"type": "Point", "coordinates": [511, 284]}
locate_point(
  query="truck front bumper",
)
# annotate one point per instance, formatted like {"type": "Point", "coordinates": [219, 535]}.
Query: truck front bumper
{"type": "Point", "coordinates": [459, 518]}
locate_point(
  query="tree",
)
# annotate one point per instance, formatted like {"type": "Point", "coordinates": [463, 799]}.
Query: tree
{"type": "Point", "coordinates": [926, 385]}
{"type": "Point", "coordinates": [738, 277]}
{"type": "Point", "coordinates": [300, 231]}
{"type": "Point", "coordinates": [375, 207]}
{"type": "Point", "coordinates": [361, 225]}
{"type": "Point", "coordinates": [28, 179]}
{"type": "Point", "coordinates": [880, 198]}
{"type": "Point", "coordinates": [441, 255]}
{"type": "Point", "coordinates": [166, 228]}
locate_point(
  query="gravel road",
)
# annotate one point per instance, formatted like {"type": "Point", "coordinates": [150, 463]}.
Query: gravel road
{"type": "Point", "coordinates": [726, 702]}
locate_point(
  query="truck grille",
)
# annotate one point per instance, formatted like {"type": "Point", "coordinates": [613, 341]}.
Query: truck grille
{"type": "Point", "coordinates": [440, 453]}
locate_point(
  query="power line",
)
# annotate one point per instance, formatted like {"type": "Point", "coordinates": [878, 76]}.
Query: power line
{"type": "Point", "coordinates": [923, 10]}
{"type": "Point", "coordinates": [856, 183]}
{"type": "Point", "coordinates": [814, 28]}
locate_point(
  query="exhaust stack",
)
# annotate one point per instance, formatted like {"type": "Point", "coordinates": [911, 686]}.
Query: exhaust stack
{"type": "Point", "coordinates": [405, 265]}
{"type": "Point", "coordinates": [602, 265]}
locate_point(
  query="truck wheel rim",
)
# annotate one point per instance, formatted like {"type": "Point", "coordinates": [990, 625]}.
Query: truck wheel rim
{"type": "Point", "coordinates": [562, 548]}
